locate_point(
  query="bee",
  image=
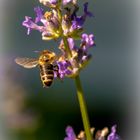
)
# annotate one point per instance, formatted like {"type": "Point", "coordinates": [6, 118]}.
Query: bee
{"type": "Point", "coordinates": [46, 65]}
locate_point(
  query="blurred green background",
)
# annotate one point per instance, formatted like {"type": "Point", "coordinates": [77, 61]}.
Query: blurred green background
{"type": "Point", "coordinates": [31, 112]}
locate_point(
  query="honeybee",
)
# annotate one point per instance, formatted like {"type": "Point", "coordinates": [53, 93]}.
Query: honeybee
{"type": "Point", "coordinates": [46, 65]}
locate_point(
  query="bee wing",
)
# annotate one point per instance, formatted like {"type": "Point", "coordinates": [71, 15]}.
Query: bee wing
{"type": "Point", "coordinates": [27, 62]}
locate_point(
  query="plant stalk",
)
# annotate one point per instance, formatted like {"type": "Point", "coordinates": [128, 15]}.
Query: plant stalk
{"type": "Point", "coordinates": [83, 108]}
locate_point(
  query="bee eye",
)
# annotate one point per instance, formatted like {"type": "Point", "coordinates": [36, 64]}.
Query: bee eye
{"type": "Point", "coordinates": [46, 60]}
{"type": "Point", "coordinates": [44, 57]}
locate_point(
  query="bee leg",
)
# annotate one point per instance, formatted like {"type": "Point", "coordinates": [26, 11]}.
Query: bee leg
{"type": "Point", "coordinates": [56, 69]}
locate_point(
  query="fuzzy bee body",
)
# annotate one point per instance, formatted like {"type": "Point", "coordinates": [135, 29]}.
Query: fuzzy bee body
{"type": "Point", "coordinates": [45, 63]}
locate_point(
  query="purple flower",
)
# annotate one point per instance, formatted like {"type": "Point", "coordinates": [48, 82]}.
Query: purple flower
{"type": "Point", "coordinates": [75, 25]}
{"type": "Point", "coordinates": [70, 27]}
{"type": "Point", "coordinates": [29, 24]}
{"type": "Point", "coordinates": [99, 135]}
{"type": "Point", "coordinates": [50, 27]}
{"type": "Point", "coordinates": [81, 19]}
{"type": "Point", "coordinates": [64, 68]}
{"type": "Point", "coordinates": [72, 24]}
{"type": "Point", "coordinates": [70, 134]}
{"type": "Point", "coordinates": [113, 135]}
{"type": "Point", "coordinates": [87, 41]}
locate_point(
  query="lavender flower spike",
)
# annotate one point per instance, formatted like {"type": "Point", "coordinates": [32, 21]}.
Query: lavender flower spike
{"type": "Point", "coordinates": [79, 59]}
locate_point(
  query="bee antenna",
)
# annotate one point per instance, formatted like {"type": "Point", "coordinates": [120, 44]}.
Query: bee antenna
{"type": "Point", "coordinates": [37, 51]}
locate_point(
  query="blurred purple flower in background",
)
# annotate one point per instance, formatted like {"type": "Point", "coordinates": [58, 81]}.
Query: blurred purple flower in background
{"type": "Point", "coordinates": [70, 134]}
{"type": "Point", "coordinates": [113, 135]}
{"type": "Point", "coordinates": [99, 135]}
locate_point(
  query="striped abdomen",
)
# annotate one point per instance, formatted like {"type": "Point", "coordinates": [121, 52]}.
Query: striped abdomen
{"type": "Point", "coordinates": [46, 74]}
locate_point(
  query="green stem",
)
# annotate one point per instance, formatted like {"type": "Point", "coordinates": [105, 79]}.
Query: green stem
{"type": "Point", "coordinates": [80, 96]}
{"type": "Point", "coordinates": [83, 108]}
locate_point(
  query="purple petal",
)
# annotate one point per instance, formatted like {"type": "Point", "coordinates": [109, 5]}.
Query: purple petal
{"type": "Point", "coordinates": [68, 72]}
{"type": "Point", "coordinates": [39, 14]}
{"type": "Point", "coordinates": [71, 44]}
{"type": "Point", "coordinates": [64, 68]}
{"type": "Point", "coordinates": [76, 24]}
{"type": "Point", "coordinates": [88, 13]}
{"type": "Point", "coordinates": [29, 24]}
{"type": "Point", "coordinates": [66, 2]}
{"type": "Point", "coordinates": [113, 135]}
{"type": "Point", "coordinates": [70, 134]}
{"type": "Point", "coordinates": [53, 1]}
{"type": "Point", "coordinates": [81, 19]}
{"type": "Point", "coordinates": [88, 40]}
